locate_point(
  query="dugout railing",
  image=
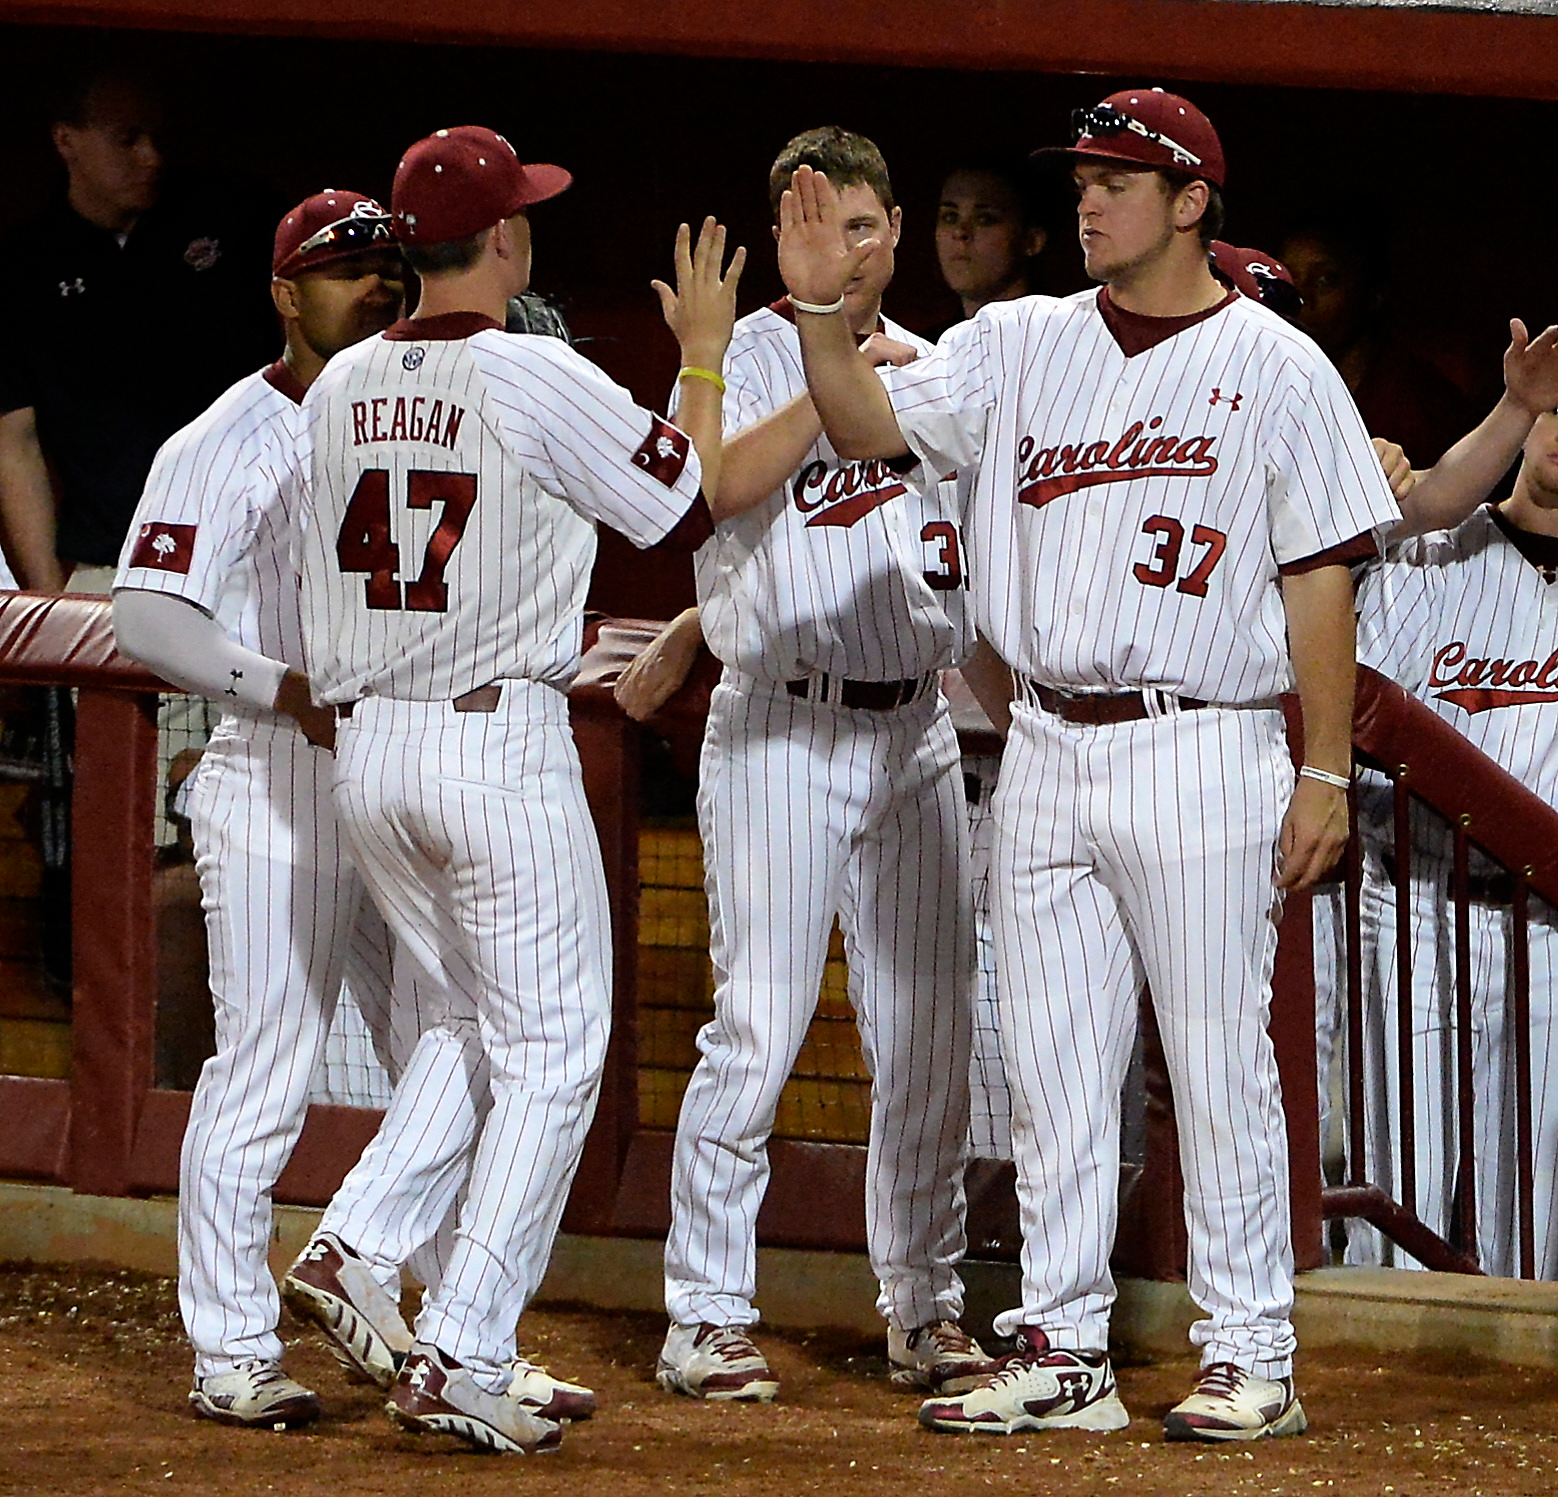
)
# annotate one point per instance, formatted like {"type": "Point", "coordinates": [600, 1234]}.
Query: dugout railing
{"type": "Point", "coordinates": [110, 1130]}
{"type": "Point", "coordinates": [1481, 806]}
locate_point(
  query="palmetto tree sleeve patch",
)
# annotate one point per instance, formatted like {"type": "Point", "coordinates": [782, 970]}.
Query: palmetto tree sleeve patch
{"type": "Point", "coordinates": [164, 547]}
{"type": "Point", "coordinates": [664, 453]}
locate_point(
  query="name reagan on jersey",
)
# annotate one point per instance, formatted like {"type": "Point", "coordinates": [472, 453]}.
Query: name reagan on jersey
{"type": "Point", "coordinates": [415, 420]}
{"type": "Point", "coordinates": [1141, 451]}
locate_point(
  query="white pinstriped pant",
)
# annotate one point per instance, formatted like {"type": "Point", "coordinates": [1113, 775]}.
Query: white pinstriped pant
{"type": "Point", "coordinates": [286, 919]}
{"type": "Point", "coordinates": [474, 838]}
{"type": "Point", "coordinates": [1434, 1069]}
{"type": "Point", "coordinates": [807, 810]}
{"type": "Point", "coordinates": [1130, 853]}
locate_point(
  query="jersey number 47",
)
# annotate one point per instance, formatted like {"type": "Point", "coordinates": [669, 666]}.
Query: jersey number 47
{"type": "Point", "coordinates": [365, 543]}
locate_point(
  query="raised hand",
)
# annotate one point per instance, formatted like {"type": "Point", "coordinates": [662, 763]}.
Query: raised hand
{"type": "Point", "coordinates": [702, 309]}
{"type": "Point", "coordinates": [1531, 368]}
{"type": "Point", "coordinates": [815, 261]}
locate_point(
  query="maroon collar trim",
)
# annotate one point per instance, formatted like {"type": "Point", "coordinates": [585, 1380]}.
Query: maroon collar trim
{"type": "Point", "coordinates": [448, 327]}
{"type": "Point", "coordinates": [279, 376]}
{"type": "Point", "coordinates": [1136, 333]}
{"type": "Point", "coordinates": [1540, 550]}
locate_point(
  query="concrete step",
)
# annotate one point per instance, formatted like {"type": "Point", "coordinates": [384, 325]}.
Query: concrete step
{"type": "Point", "coordinates": [1382, 1310]}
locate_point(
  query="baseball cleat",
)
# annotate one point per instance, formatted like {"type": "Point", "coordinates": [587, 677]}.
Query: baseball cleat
{"type": "Point", "coordinates": [717, 1362]}
{"type": "Point", "coordinates": [258, 1395]}
{"type": "Point", "coordinates": [941, 1357]}
{"type": "Point", "coordinates": [547, 1396]}
{"type": "Point", "coordinates": [332, 1288]}
{"type": "Point", "coordinates": [1229, 1403]}
{"type": "Point", "coordinates": [1038, 1387]}
{"type": "Point", "coordinates": [435, 1395]}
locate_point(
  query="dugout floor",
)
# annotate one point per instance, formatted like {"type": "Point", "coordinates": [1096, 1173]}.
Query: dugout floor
{"type": "Point", "coordinates": [95, 1373]}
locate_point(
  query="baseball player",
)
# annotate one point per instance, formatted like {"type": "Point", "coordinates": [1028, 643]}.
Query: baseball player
{"type": "Point", "coordinates": [1437, 499]}
{"type": "Point", "coordinates": [206, 597]}
{"type": "Point", "coordinates": [830, 763]}
{"type": "Point", "coordinates": [456, 475]}
{"type": "Point", "coordinates": [1170, 484]}
{"type": "Point", "coordinates": [1467, 620]}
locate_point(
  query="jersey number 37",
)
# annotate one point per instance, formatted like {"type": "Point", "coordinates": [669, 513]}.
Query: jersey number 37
{"type": "Point", "coordinates": [365, 543]}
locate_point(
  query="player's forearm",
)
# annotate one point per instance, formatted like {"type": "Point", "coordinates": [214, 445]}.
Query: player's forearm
{"type": "Point", "coordinates": [990, 679]}
{"type": "Point", "coordinates": [27, 503]}
{"type": "Point", "coordinates": [847, 392]}
{"type": "Point", "coordinates": [189, 649]}
{"type": "Point", "coordinates": [1322, 641]}
{"type": "Point", "coordinates": [762, 457]}
{"type": "Point", "coordinates": [1447, 493]}
{"type": "Point", "coordinates": [698, 414]}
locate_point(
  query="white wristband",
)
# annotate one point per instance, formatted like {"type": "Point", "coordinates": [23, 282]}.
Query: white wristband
{"type": "Point", "coordinates": [1325, 777]}
{"type": "Point", "coordinates": [818, 309]}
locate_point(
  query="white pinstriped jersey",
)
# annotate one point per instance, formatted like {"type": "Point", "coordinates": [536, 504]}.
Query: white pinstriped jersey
{"type": "Point", "coordinates": [456, 473]}
{"type": "Point", "coordinates": [214, 525]}
{"type": "Point", "coordinates": [1469, 625]}
{"type": "Point", "coordinates": [846, 569]}
{"type": "Point", "coordinates": [1128, 515]}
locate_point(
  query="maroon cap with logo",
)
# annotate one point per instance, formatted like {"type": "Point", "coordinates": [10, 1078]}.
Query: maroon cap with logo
{"type": "Point", "coordinates": [455, 183]}
{"type": "Point", "coordinates": [1261, 277]}
{"type": "Point", "coordinates": [328, 226]}
{"type": "Point", "coordinates": [1147, 127]}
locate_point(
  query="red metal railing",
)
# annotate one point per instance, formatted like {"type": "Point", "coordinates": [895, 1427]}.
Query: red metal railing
{"type": "Point", "coordinates": [1484, 807]}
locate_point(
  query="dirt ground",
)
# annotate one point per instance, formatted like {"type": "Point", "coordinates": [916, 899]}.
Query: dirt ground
{"type": "Point", "coordinates": [94, 1373]}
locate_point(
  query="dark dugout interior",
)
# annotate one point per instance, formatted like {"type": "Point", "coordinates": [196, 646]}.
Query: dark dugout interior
{"type": "Point", "coordinates": [1455, 193]}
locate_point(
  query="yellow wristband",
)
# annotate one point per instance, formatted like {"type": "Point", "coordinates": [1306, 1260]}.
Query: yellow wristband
{"type": "Point", "coordinates": [692, 371]}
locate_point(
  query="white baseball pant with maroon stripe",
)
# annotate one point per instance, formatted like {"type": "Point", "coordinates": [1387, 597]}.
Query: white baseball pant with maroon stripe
{"type": "Point", "coordinates": [473, 835]}
{"type": "Point", "coordinates": [808, 810]}
{"type": "Point", "coordinates": [1129, 853]}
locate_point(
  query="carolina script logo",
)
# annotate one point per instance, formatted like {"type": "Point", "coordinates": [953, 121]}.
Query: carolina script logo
{"type": "Point", "coordinates": [1510, 683]}
{"type": "Point", "coordinates": [841, 496]}
{"type": "Point", "coordinates": [1141, 451]}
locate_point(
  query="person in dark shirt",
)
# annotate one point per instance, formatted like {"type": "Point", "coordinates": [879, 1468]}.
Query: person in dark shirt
{"type": "Point", "coordinates": [132, 308]}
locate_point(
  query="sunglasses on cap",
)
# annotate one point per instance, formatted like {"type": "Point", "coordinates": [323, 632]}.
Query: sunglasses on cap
{"type": "Point", "coordinates": [1105, 119]}
{"type": "Point", "coordinates": [355, 232]}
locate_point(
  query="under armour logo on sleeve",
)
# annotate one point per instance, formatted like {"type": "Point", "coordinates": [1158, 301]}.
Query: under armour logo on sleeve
{"type": "Point", "coordinates": [1232, 400]}
{"type": "Point", "coordinates": [164, 547]}
{"type": "Point", "coordinates": [664, 453]}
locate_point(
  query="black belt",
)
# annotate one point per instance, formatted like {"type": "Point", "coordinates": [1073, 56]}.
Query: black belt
{"type": "Point", "coordinates": [1097, 708]}
{"type": "Point", "coordinates": [483, 699]}
{"type": "Point", "coordinates": [869, 696]}
{"type": "Point", "coordinates": [1481, 888]}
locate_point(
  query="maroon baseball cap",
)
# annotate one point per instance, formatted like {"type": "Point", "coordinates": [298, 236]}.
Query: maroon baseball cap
{"type": "Point", "coordinates": [455, 183]}
{"type": "Point", "coordinates": [1147, 127]}
{"type": "Point", "coordinates": [328, 226]}
{"type": "Point", "coordinates": [1261, 277]}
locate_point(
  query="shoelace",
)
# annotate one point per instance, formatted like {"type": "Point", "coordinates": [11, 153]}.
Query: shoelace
{"type": "Point", "coordinates": [263, 1373]}
{"type": "Point", "coordinates": [950, 1339]}
{"type": "Point", "coordinates": [1221, 1380]}
{"type": "Point", "coordinates": [730, 1344]}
